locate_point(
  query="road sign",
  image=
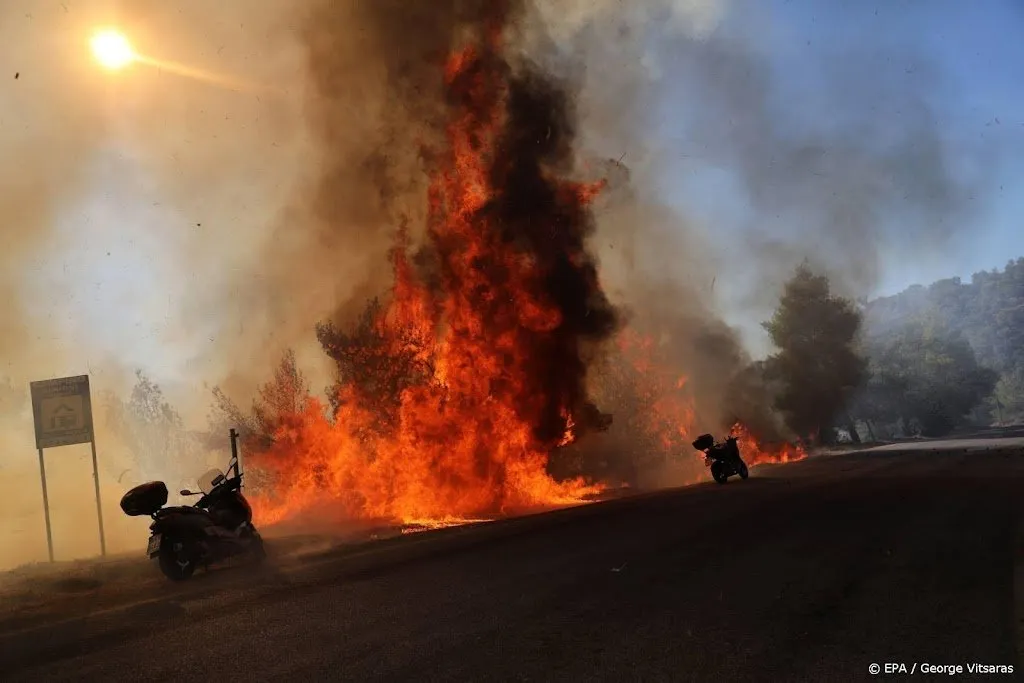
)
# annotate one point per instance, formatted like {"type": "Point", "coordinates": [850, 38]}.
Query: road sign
{"type": "Point", "coordinates": [63, 411]}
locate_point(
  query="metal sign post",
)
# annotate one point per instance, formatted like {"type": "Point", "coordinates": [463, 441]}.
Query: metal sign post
{"type": "Point", "coordinates": [99, 505]}
{"type": "Point", "coordinates": [46, 504]}
{"type": "Point", "coordinates": [234, 450]}
{"type": "Point", "coordinates": [62, 410]}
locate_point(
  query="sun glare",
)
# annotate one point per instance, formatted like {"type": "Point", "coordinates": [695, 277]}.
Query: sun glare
{"type": "Point", "coordinates": [112, 50]}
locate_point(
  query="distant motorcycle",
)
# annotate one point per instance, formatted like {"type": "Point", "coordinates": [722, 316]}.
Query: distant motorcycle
{"type": "Point", "coordinates": [723, 458]}
{"type": "Point", "coordinates": [217, 527]}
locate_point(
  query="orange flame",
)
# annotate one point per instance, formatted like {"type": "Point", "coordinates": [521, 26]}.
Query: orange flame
{"type": "Point", "coordinates": [669, 410]}
{"type": "Point", "coordinates": [413, 526]}
{"type": "Point", "coordinates": [465, 442]}
{"type": "Point", "coordinates": [755, 453]}
{"type": "Point", "coordinates": [468, 361]}
{"type": "Point", "coordinates": [570, 435]}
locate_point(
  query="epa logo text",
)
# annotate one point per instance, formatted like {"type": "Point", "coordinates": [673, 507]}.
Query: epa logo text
{"type": "Point", "coordinates": [943, 669]}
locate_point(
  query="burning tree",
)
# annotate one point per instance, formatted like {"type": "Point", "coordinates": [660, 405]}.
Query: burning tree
{"type": "Point", "coordinates": [376, 362]}
{"type": "Point", "coordinates": [286, 394]}
{"type": "Point", "coordinates": [453, 391]}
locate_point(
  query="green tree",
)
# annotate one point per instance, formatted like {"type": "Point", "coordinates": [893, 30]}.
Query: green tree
{"type": "Point", "coordinates": [1008, 397]}
{"type": "Point", "coordinates": [817, 365]}
{"type": "Point", "coordinates": [988, 312]}
{"type": "Point", "coordinates": [881, 400]}
{"type": "Point", "coordinates": [925, 374]}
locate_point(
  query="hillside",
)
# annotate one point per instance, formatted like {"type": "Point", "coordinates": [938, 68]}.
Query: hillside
{"type": "Point", "coordinates": [986, 314]}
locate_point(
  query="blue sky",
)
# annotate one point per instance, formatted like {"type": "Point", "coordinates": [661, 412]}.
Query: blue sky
{"type": "Point", "coordinates": [872, 66]}
{"type": "Point", "coordinates": [978, 48]}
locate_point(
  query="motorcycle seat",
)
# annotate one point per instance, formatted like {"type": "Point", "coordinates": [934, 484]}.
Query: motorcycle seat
{"type": "Point", "coordinates": [182, 510]}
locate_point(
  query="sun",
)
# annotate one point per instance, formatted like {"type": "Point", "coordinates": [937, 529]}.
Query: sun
{"type": "Point", "coordinates": [112, 50]}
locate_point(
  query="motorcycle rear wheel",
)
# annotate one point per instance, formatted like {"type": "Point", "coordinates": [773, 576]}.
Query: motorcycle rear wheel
{"type": "Point", "coordinates": [177, 564]}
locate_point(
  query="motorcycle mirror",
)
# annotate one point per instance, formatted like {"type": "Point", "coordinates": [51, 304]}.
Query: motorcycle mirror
{"type": "Point", "coordinates": [186, 492]}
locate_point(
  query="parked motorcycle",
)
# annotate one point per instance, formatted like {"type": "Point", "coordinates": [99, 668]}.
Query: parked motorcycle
{"type": "Point", "coordinates": [219, 525]}
{"type": "Point", "coordinates": [722, 457]}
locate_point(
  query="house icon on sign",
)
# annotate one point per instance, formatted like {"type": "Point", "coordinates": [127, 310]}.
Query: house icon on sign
{"type": "Point", "coordinates": [63, 417]}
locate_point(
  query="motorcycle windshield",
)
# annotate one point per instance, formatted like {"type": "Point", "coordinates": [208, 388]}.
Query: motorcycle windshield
{"type": "Point", "coordinates": [208, 481]}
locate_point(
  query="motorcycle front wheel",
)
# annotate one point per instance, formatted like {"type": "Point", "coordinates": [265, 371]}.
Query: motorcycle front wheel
{"type": "Point", "coordinates": [744, 472]}
{"type": "Point", "coordinates": [177, 560]}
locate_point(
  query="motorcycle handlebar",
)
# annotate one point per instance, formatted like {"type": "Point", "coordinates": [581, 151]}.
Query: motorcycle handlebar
{"type": "Point", "coordinates": [233, 484]}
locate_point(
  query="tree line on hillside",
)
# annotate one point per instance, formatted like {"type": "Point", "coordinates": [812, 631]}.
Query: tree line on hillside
{"type": "Point", "coordinates": [986, 315]}
{"type": "Point", "coordinates": [923, 362]}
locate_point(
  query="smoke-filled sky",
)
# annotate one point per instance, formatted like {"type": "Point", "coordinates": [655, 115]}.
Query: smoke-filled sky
{"type": "Point", "coordinates": [159, 221]}
{"type": "Point", "coordinates": [936, 72]}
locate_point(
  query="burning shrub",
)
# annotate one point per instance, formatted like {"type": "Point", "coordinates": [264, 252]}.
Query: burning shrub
{"type": "Point", "coordinates": [451, 393]}
{"type": "Point", "coordinates": [285, 395]}
{"type": "Point", "coordinates": [454, 390]}
{"type": "Point", "coordinates": [375, 362]}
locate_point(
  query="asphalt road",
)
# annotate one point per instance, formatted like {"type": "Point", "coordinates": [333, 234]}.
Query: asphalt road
{"type": "Point", "coordinates": [805, 572]}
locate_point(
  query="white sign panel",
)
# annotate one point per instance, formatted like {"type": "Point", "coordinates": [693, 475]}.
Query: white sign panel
{"type": "Point", "coordinates": [63, 411]}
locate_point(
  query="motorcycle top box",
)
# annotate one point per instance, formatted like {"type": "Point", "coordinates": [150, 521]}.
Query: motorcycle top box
{"type": "Point", "coordinates": [144, 499]}
{"type": "Point", "coordinates": [704, 442]}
